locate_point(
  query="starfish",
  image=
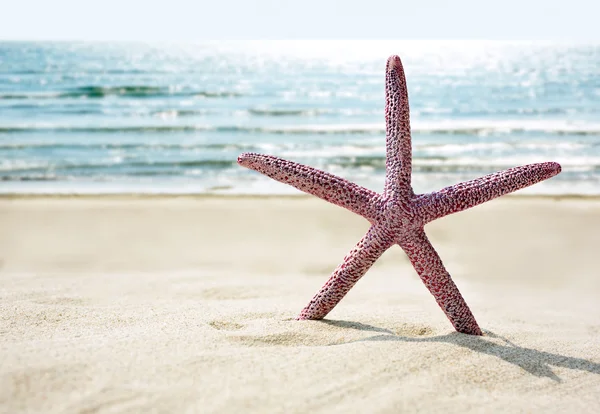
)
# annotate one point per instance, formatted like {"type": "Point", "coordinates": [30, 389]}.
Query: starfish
{"type": "Point", "coordinates": [398, 215]}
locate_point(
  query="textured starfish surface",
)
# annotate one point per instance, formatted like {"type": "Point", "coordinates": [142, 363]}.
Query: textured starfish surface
{"type": "Point", "coordinates": [398, 215]}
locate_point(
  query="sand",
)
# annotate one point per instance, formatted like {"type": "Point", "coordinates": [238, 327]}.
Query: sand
{"type": "Point", "coordinates": [186, 304]}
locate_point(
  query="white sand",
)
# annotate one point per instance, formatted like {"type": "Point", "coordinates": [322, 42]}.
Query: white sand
{"type": "Point", "coordinates": [152, 304]}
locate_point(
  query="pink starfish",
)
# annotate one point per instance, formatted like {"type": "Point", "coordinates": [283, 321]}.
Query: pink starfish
{"type": "Point", "coordinates": [398, 215]}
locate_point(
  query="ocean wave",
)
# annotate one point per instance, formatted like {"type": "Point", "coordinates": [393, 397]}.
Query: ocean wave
{"type": "Point", "coordinates": [133, 146]}
{"type": "Point", "coordinates": [296, 130]}
{"type": "Point", "coordinates": [477, 128]}
{"type": "Point", "coordinates": [442, 163]}
{"type": "Point", "coordinates": [127, 90]}
{"type": "Point", "coordinates": [90, 167]}
{"type": "Point", "coordinates": [31, 177]}
{"type": "Point", "coordinates": [128, 112]}
{"type": "Point", "coordinates": [130, 91]}
{"type": "Point", "coordinates": [312, 149]}
{"type": "Point", "coordinates": [9, 165]}
{"type": "Point", "coordinates": [494, 147]}
{"type": "Point", "coordinates": [103, 129]}
{"type": "Point", "coordinates": [491, 112]}
{"type": "Point", "coordinates": [312, 112]}
{"type": "Point", "coordinates": [343, 166]}
{"type": "Point", "coordinates": [106, 71]}
{"type": "Point", "coordinates": [288, 112]}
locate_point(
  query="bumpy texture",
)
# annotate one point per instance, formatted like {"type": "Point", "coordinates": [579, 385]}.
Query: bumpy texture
{"type": "Point", "coordinates": [398, 215]}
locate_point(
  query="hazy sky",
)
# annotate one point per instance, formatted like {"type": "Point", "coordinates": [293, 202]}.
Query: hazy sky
{"type": "Point", "coordinates": [302, 19]}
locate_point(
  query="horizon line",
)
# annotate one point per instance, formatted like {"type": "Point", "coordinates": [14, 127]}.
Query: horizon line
{"type": "Point", "coordinates": [285, 39]}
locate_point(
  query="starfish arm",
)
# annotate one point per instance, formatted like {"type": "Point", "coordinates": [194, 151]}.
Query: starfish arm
{"type": "Point", "coordinates": [324, 185]}
{"type": "Point", "coordinates": [436, 278]}
{"type": "Point", "coordinates": [465, 195]}
{"type": "Point", "coordinates": [344, 277]}
{"type": "Point", "coordinates": [398, 140]}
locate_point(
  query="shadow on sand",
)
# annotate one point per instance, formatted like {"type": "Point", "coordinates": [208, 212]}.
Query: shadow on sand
{"type": "Point", "coordinates": [533, 361]}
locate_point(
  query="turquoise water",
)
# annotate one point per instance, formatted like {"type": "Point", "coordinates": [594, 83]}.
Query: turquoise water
{"type": "Point", "coordinates": [172, 118]}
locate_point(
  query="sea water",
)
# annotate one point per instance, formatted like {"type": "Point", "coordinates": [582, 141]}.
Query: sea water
{"type": "Point", "coordinates": [172, 118]}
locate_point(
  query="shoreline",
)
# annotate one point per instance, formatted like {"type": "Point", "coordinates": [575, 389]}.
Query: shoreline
{"type": "Point", "coordinates": [132, 196]}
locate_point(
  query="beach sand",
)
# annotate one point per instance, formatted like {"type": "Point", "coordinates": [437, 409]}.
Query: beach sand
{"type": "Point", "coordinates": [186, 304]}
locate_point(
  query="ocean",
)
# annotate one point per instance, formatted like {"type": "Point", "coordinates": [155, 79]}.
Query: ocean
{"type": "Point", "coordinates": [91, 118]}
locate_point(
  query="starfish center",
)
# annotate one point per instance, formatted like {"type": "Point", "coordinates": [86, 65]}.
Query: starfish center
{"type": "Point", "coordinates": [399, 218]}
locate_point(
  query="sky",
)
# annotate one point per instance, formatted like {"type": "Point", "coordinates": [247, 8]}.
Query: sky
{"type": "Point", "coordinates": [189, 20]}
